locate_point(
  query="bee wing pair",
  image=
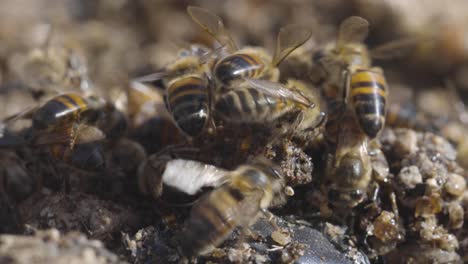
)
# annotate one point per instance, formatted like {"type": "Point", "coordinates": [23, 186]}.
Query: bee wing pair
{"type": "Point", "coordinates": [81, 134]}
{"type": "Point", "coordinates": [355, 30]}
{"type": "Point", "coordinates": [289, 37]}
{"type": "Point", "coordinates": [213, 25]}
{"type": "Point", "coordinates": [398, 48]}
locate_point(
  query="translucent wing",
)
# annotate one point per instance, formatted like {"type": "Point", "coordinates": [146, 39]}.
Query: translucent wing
{"type": "Point", "coordinates": [87, 134]}
{"type": "Point", "coordinates": [289, 38]}
{"type": "Point", "coordinates": [278, 90]}
{"type": "Point", "coordinates": [398, 48]}
{"type": "Point", "coordinates": [24, 114]}
{"type": "Point", "coordinates": [52, 137]}
{"type": "Point", "coordinates": [354, 29]}
{"type": "Point", "coordinates": [212, 24]}
{"type": "Point", "coordinates": [151, 77]}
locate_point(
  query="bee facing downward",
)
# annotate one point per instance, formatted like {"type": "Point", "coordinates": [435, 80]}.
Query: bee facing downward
{"type": "Point", "coordinates": [351, 77]}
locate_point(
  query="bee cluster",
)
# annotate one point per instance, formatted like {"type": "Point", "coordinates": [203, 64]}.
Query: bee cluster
{"type": "Point", "coordinates": [216, 152]}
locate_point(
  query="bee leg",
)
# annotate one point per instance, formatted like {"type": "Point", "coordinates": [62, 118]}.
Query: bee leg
{"type": "Point", "coordinates": [66, 183]}
{"type": "Point", "coordinates": [394, 205]}
{"type": "Point", "coordinates": [271, 218]}
{"type": "Point", "coordinates": [177, 151]}
{"type": "Point", "coordinates": [346, 84]}
{"type": "Point", "coordinates": [244, 232]}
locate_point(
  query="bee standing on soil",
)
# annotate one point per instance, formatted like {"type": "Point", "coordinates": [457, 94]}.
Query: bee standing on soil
{"type": "Point", "coordinates": [63, 125]}
{"type": "Point", "coordinates": [248, 62]}
{"type": "Point", "coordinates": [349, 61]}
{"type": "Point", "coordinates": [351, 77]}
{"type": "Point", "coordinates": [187, 92]}
{"type": "Point", "coordinates": [237, 203]}
{"type": "Point", "coordinates": [350, 170]}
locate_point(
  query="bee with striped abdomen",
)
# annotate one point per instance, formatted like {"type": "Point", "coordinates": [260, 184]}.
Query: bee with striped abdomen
{"type": "Point", "coordinates": [63, 126]}
{"type": "Point", "coordinates": [250, 190]}
{"type": "Point", "coordinates": [248, 62]}
{"type": "Point", "coordinates": [348, 61]}
{"type": "Point", "coordinates": [187, 101]}
{"type": "Point", "coordinates": [368, 92]}
{"type": "Point", "coordinates": [258, 101]}
{"type": "Point", "coordinates": [62, 109]}
{"type": "Point", "coordinates": [187, 92]}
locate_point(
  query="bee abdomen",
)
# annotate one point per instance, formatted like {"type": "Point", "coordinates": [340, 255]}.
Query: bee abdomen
{"type": "Point", "coordinates": [238, 66]}
{"type": "Point", "coordinates": [368, 95]}
{"type": "Point", "coordinates": [251, 106]}
{"type": "Point", "coordinates": [187, 100]}
{"type": "Point", "coordinates": [60, 108]}
{"type": "Point", "coordinates": [209, 225]}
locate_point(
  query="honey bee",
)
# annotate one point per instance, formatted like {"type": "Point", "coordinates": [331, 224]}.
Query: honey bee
{"type": "Point", "coordinates": [239, 202]}
{"type": "Point", "coordinates": [248, 62]}
{"type": "Point", "coordinates": [63, 126]}
{"type": "Point", "coordinates": [351, 169]}
{"type": "Point", "coordinates": [348, 61]}
{"type": "Point", "coordinates": [186, 92]}
{"type": "Point", "coordinates": [63, 109]}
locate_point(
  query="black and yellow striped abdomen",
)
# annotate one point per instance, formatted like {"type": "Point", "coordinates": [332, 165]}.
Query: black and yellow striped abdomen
{"type": "Point", "coordinates": [211, 221]}
{"type": "Point", "coordinates": [249, 105]}
{"type": "Point", "coordinates": [63, 108]}
{"type": "Point", "coordinates": [368, 96]}
{"type": "Point", "coordinates": [238, 66]}
{"type": "Point", "coordinates": [187, 101]}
